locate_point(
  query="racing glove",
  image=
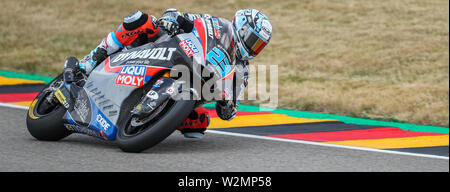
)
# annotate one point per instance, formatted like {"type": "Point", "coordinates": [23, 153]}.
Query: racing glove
{"type": "Point", "coordinates": [226, 109]}
{"type": "Point", "coordinates": [169, 25]}
{"type": "Point", "coordinates": [168, 21]}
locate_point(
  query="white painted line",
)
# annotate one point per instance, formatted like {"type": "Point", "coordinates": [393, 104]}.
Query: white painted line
{"type": "Point", "coordinates": [13, 106]}
{"type": "Point", "coordinates": [325, 144]}
{"type": "Point", "coordinates": [289, 140]}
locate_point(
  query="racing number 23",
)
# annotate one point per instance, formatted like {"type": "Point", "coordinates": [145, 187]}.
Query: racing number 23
{"type": "Point", "coordinates": [217, 58]}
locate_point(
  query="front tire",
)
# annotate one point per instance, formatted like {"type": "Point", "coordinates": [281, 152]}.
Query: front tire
{"type": "Point", "coordinates": [44, 120]}
{"type": "Point", "coordinates": [156, 132]}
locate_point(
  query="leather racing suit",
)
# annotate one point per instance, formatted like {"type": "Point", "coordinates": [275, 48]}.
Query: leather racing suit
{"type": "Point", "coordinates": [175, 22]}
{"type": "Point", "coordinates": [140, 28]}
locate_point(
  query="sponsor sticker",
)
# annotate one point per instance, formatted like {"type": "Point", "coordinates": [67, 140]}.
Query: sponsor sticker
{"type": "Point", "coordinates": [192, 45]}
{"type": "Point", "coordinates": [82, 109]}
{"type": "Point", "coordinates": [131, 75]}
{"type": "Point", "coordinates": [102, 122]}
{"type": "Point", "coordinates": [83, 130]}
{"type": "Point", "coordinates": [266, 28]}
{"type": "Point", "coordinates": [195, 32]}
{"type": "Point", "coordinates": [170, 91]}
{"type": "Point", "coordinates": [129, 34]}
{"type": "Point", "coordinates": [188, 47]}
{"type": "Point", "coordinates": [152, 95]}
{"type": "Point", "coordinates": [216, 27]}
{"type": "Point", "coordinates": [61, 98]}
{"type": "Point", "coordinates": [160, 53]}
{"type": "Point", "coordinates": [158, 83]}
{"type": "Point", "coordinates": [209, 28]}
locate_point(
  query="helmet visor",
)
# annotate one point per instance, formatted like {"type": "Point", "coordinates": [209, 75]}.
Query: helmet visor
{"type": "Point", "coordinates": [253, 42]}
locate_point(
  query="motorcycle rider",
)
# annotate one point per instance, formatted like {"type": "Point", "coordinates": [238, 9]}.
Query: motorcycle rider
{"type": "Point", "coordinates": [251, 31]}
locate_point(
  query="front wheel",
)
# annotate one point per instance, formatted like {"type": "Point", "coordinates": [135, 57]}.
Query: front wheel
{"type": "Point", "coordinates": [45, 114]}
{"type": "Point", "coordinates": [132, 139]}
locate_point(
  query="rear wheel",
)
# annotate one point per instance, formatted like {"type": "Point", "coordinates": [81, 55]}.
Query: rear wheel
{"type": "Point", "coordinates": [45, 114]}
{"type": "Point", "coordinates": [133, 136]}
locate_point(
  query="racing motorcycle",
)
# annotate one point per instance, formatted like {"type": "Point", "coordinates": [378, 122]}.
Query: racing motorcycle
{"type": "Point", "coordinates": [133, 96]}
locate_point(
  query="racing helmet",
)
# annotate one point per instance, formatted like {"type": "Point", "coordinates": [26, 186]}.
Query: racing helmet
{"type": "Point", "coordinates": [252, 31]}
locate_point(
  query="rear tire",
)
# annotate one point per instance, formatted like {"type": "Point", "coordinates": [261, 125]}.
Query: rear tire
{"type": "Point", "coordinates": [48, 125]}
{"type": "Point", "coordinates": [156, 132]}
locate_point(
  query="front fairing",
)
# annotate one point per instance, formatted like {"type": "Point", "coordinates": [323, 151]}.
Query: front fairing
{"type": "Point", "coordinates": [100, 103]}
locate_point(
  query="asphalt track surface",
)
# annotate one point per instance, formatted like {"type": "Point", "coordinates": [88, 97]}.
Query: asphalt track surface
{"type": "Point", "coordinates": [19, 151]}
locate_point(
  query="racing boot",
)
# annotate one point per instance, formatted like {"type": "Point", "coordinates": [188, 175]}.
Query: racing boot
{"type": "Point", "coordinates": [71, 70]}
{"type": "Point", "coordinates": [195, 125]}
{"type": "Point", "coordinates": [75, 70]}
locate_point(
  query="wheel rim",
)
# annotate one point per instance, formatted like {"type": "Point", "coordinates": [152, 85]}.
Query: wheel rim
{"type": "Point", "coordinates": [141, 125]}
{"type": "Point", "coordinates": [47, 102]}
